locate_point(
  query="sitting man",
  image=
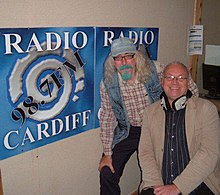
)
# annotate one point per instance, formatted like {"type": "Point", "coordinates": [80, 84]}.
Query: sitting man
{"type": "Point", "coordinates": [180, 140]}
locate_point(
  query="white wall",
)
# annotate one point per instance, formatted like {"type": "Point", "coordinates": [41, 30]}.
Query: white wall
{"type": "Point", "coordinates": [172, 17]}
{"type": "Point", "coordinates": [70, 166]}
{"type": "Point", "coordinates": [211, 22]}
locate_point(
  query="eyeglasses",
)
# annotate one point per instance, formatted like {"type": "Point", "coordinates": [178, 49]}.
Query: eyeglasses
{"type": "Point", "coordinates": [126, 57]}
{"type": "Point", "coordinates": [179, 78]}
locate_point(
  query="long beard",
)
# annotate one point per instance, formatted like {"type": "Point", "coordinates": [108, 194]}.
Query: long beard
{"type": "Point", "coordinates": [125, 73]}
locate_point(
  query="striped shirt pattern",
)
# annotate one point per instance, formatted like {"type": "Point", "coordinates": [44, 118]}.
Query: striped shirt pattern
{"type": "Point", "coordinates": [176, 154]}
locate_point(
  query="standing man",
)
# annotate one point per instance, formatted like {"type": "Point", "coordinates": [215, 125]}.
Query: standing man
{"type": "Point", "coordinates": [180, 140]}
{"type": "Point", "coordinates": [130, 83]}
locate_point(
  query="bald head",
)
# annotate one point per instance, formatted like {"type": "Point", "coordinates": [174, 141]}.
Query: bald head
{"type": "Point", "coordinates": [178, 64]}
{"type": "Point", "coordinates": [175, 80]}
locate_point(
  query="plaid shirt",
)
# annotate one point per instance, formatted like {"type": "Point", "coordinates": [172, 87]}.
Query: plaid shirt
{"type": "Point", "coordinates": [135, 99]}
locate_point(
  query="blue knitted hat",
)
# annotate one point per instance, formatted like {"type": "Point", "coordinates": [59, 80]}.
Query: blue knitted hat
{"type": "Point", "coordinates": [122, 45]}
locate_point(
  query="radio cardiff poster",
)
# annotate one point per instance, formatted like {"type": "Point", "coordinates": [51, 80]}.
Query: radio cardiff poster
{"type": "Point", "coordinates": [47, 81]}
{"type": "Point", "coordinates": [50, 79]}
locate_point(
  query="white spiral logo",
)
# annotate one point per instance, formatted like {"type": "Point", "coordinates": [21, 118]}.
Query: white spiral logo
{"type": "Point", "coordinates": [15, 82]}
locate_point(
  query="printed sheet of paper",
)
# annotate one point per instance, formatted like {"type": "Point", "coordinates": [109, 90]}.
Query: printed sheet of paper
{"type": "Point", "coordinates": [195, 40]}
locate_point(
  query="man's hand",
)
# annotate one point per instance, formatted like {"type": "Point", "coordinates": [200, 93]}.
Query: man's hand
{"type": "Point", "coordinates": [106, 160]}
{"type": "Point", "coordinates": [166, 190]}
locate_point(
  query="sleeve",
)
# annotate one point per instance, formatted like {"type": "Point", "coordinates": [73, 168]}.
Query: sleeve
{"type": "Point", "coordinates": [193, 87]}
{"type": "Point", "coordinates": [151, 174]}
{"type": "Point", "coordinates": [203, 163]}
{"type": "Point", "coordinates": [107, 121]}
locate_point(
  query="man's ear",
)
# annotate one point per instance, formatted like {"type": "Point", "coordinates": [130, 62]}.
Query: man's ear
{"type": "Point", "coordinates": [188, 83]}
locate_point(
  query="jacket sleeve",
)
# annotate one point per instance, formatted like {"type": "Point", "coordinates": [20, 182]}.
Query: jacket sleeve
{"type": "Point", "coordinates": [151, 175]}
{"type": "Point", "coordinates": [206, 146]}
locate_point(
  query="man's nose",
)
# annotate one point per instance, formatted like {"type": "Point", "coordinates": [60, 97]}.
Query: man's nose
{"type": "Point", "coordinates": [124, 61]}
{"type": "Point", "coordinates": [175, 80]}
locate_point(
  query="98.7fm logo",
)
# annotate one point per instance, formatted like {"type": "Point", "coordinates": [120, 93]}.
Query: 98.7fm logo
{"type": "Point", "coordinates": [44, 82]}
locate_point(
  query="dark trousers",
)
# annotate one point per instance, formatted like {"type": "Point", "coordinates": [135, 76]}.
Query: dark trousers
{"type": "Point", "coordinates": [202, 189]}
{"type": "Point", "coordinates": [109, 182]}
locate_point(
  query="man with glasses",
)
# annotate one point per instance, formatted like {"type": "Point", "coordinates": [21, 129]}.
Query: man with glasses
{"type": "Point", "coordinates": [130, 83]}
{"type": "Point", "coordinates": [179, 144]}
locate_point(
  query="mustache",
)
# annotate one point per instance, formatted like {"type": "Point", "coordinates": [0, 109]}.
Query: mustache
{"type": "Point", "coordinates": [126, 66]}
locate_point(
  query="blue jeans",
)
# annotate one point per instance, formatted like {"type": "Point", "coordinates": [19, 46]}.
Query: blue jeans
{"type": "Point", "coordinates": [109, 182]}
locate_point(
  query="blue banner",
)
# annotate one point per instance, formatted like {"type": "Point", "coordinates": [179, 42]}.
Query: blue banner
{"type": "Point", "coordinates": [50, 81]}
